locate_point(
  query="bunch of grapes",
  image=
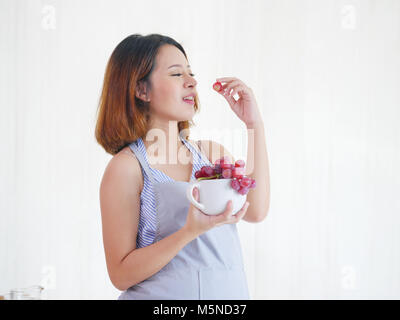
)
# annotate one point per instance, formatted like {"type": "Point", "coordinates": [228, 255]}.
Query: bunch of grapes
{"type": "Point", "coordinates": [223, 169]}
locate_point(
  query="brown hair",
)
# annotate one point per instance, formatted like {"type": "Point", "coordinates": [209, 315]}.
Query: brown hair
{"type": "Point", "coordinates": [121, 116]}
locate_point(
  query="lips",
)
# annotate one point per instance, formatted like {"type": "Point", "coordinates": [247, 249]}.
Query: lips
{"type": "Point", "coordinates": [189, 99]}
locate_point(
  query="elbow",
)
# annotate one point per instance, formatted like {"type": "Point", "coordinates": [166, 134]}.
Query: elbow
{"type": "Point", "coordinates": [259, 214]}
{"type": "Point", "coordinates": [264, 214]}
{"type": "Point", "coordinates": [255, 219]}
{"type": "Point", "coordinates": [258, 217]}
{"type": "Point", "coordinates": [119, 284]}
{"type": "Point", "coordinates": [122, 275]}
{"type": "Point", "coordinates": [118, 281]}
{"type": "Point", "coordinates": [259, 211]}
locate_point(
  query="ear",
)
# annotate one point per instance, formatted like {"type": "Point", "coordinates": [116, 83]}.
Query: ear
{"type": "Point", "coordinates": [141, 91]}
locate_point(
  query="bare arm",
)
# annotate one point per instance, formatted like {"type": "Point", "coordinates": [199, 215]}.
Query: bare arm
{"type": "Point", "coordinates": [120, 208]}
{"type": "Point", "coordinates": [258, 169]}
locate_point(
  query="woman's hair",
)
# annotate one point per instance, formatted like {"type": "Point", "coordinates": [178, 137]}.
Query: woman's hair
{"type": "Point", "coordinates": [121, 116]}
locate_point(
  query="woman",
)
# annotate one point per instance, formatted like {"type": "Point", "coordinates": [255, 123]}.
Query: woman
{"type": "Point", "coordinates": [157, 245]}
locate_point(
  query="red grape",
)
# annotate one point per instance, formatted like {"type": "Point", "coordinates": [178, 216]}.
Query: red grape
{"type": "Point", "coordinates": [224, 160]}
{"type": "Point", "coordinates": [227, 173]}
{"type": "Point", "coordinates": [235, 184]}
{"type": "Point", "coordinates": [217, 169]}
{"type": "Point", "coordinates": [217, 86]}
{"type": "Point", "coordinates": [207, 171]}
{"type": "Point", "coordinates": [243, 190]}
{"type": "Point", "coordinates": [239, 163]}
{"type": "Point", "coordinates": [223, 169]}
{"type": "Point", "coordinates": [246, 182]}
{"type": "Point", "coordinates": [226, 166]}
{"type": "Point", "coordinates": [198, 174]}
{"type": "Point", "coordinates": [238, 172]}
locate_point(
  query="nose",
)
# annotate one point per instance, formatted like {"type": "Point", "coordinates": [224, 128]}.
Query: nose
{"type": "Point", "coordinates": [190, 82]}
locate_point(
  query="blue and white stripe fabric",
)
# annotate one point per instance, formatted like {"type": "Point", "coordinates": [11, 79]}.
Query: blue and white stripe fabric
{"type": "Point", "coordinates": [147, 222]}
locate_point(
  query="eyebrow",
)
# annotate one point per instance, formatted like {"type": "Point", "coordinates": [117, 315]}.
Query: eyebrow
{"type": "Point", "coordinates": [177, 65]}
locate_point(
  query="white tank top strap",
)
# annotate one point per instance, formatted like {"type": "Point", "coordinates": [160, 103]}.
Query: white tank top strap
{"type": "Point", "coordinates": [198, 156]}
{"type": "Point", "coordinates": [134, 147]}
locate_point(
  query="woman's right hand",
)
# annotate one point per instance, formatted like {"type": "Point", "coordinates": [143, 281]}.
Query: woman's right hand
{"type": "Point", "coordinates": [198, 222]}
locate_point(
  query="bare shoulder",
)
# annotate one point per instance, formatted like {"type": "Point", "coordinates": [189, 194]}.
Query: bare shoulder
{"type": "Point", "coordinates": [213, 150]}
{"type": "Point", "coordinates": [124, 165]}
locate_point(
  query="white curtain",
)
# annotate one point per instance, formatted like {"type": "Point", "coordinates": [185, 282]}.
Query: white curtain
{"type": "Point", "coordinates": [326, 75]}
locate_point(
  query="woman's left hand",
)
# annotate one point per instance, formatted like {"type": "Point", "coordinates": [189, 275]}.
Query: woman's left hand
{"type": "Point", "coordinates": [246, 106]}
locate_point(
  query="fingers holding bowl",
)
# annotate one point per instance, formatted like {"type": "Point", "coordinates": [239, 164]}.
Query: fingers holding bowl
{"type": "Point", "coordinates": [240, 214]}
{"type": "Point", "coordinates": [225, 215]}
{"type": "Point", "coordinates": [229, 218]}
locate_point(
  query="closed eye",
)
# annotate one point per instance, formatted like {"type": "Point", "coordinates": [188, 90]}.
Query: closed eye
{"type": "Point", "coordinates": [179, 74]}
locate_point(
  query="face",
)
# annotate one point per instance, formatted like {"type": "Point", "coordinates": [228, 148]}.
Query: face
{"type": "Point", "coordinates": [170, 84]}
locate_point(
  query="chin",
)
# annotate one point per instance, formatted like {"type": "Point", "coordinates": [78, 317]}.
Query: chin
{"type": "Point", "coordinates": [187, 115]}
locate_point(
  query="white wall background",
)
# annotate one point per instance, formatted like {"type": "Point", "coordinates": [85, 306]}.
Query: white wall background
{"type": "Point", "coordinates": [326, 75]}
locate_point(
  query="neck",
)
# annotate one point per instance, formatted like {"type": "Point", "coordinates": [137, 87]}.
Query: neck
{"type": "Point", "coordinates": [162, 142]}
